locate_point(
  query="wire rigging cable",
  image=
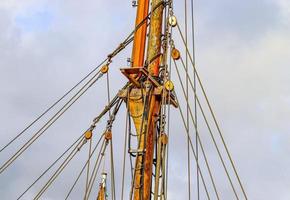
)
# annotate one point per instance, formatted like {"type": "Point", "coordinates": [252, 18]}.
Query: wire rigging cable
{"type": "Point", "coordinates": [68, 149]}
{"type": "Point", "coordinates": [210, 131]}
{"type": "Point", "coordinates": [61, 168]}
{"type": "Point", "coordinates": [213, 116]}
{"type": "Point", "coordinates": [53, 105]}
{"type": "Point", "coordinates": [125, 146]}
{"type": "Point", "coordinates": [198, 166]}
{"type": "Point", "coordinates": [187, 104]}
{"type": "Point", "coordinates": [195, 103]}
{"type": "Point", "coordinates": [84, 167]}
{"type": "Point", "coordinates": [51, 121]}
{"type": "Point", "coordinates": [96, 169]}
{"type": "Point", "coordinates": [203, 152]}
{"type": "Point", "coordinates": [110, 104]}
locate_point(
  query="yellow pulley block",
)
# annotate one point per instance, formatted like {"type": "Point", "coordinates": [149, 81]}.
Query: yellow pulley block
{"type": "Point", "coordinates": [169, 86]}
{"type": "Point", "coordinates": [88, 134]}
{"type": "Point", "coordinates": [164, 138]}
{"type": "Point", "coordinates": [108, 135]}
{"type": "Point", "coordinates": [175, 54]}
{"type": "Point", "coordinates": [172, 21]}
{"type": "Point", "coordinates": [105, 69]}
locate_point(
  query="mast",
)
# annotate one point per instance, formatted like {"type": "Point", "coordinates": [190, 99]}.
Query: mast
{"type": "Point", "coordinates": [140, 35]}
{"type": "Point", "coordinates": [145, 109]}
{"type": "Point", "coordinates": [153, 59]}
{"type": "Point", "coordinates": [136, 107]}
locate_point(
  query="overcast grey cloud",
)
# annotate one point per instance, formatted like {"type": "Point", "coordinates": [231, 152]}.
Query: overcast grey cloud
{"type": "Point", "coordinates": [242, 54]}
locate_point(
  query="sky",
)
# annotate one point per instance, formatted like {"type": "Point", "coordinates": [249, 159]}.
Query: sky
{"type": "Point", "coordinates": [242, 55]}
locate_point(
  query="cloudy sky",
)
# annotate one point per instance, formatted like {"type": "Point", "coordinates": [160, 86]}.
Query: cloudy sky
{"type": "Point", "coordinates": [242, 54]}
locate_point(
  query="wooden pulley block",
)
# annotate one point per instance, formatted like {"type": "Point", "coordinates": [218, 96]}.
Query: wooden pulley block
{"type": "Point", "coordinates": [88, 134]}
{"type": "Point", "coordinates": [164, 138]}
{"type": "Point", "coordinates": [172, 21]}
{"type": "Point", "coordinates": [169, 86]}
{"type": "Point", "coordinates": [105, 68]}
{"type": "Point", "coordinates": [108, 135]}
{"type": "Point", "coordinates": [175, 54]}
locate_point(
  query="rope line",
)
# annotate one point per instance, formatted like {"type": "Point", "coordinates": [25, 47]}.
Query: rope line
{"type": "Point", "coordinates": [51, 121]}
{"type": "Point", "coordinates": [214, 117]}
{"type": "Point", "coordinates": [124, 155]}
{"type": "Point", "coordinates": [60, 169]}
{"type": "Point", "coordinates": [202, 149]}
{"type": "Point", "coordinates": [88, 164]}
{"type": "Point", "coordinates": [212, 136]}
{"type": "Point", "coordinates": [195, 103]}
{"type": "Point", "coordinates": [112, 171]}
{"type": "Point", "coordinates": [96, 169]}
{"type": "Point", "coordinates": [53, 105]}
{"type": "Point", "coordinates": [187, 104]}
{"type": "Point", "coordinates": [198, 167]}
{"type": "Point", "coordinates": [84, 167]}
{"type": "Point", "coordinates": [44, 172]}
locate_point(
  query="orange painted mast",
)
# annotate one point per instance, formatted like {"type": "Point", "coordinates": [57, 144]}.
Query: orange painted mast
{"type": "Point", "coordinates": [138, 51]}
{"type": "Point", "coordinates": [145, 115]}
{"type": "Point", "coordinates": [135, 103]}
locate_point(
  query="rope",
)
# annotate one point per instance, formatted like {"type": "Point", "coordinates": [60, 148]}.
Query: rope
{"type": "Point", "coordinates": [124, 155]}
{"type": "Point", "coordinates": [92, 127]}
{"type": "Point", "coordinates": [195, 103]}
{"type": "Point", "coordinates": [88, 164]}
{"type": "Point", "coordinates": [212, 137]}
{"type": "Point", "coordinates": [75, 182]}
{"type": "Point", "coordinates": [202, 149]}
{"type": "Point", "coordinates": [170, 11]}
{"type": "Point", "coordinates": [198, 167]}
{"type": "Point", "coordinates": [123, 45]}
{"type": "Point", "coordinates": [111, 147]}
{"type": "Point", "coordinates": [69, 148]}
{"type": "Point", "coordinates": [112, 171]}
{"type": "Point", "coordinates": [187, 105]}
{"type": "Point", "coordinates": [98, 162]}
{"type": "Point", "coordinates": [60, 169]}
{"type": "Point", "coordinates": [108, 90]}
{"type": "Point", "coordinates": [214, 118]}
{"type": "Point", "coordinates": [51, 121]}
{"type": "Point", "coordinates": [96, 168]}
{"type": "Point", "coordinates": [52, 106]}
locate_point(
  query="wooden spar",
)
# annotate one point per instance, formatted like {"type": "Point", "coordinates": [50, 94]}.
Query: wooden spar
{"type": "Point", "coordinates": [154, 41]}
{"type": "Point", "coordinates": [153, 57]}
{"type": "Point", "coordinates": [140, 35]}
{"type": "Point", "coordinates": [144, 160]}
{"type": "Point", "coordinates": [135, 103]}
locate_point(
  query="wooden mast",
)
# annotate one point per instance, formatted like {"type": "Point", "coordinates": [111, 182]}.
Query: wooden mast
{"type": "Point", "coordinates": [140, 35]}
{"type": "Point", "coordinates": [134, 103]}
{"type": "Point", "coordinates": [153, 59]}
{"type": "Point", "coordinates": [145, 124]}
